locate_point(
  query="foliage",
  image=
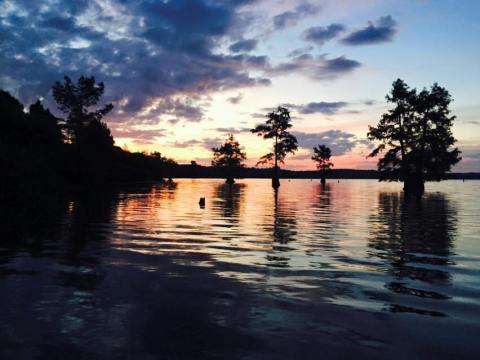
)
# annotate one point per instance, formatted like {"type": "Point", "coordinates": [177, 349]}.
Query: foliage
{"type": "Point", "coordinates": [46, 128]}
{"type": "Point", "coordinates": [13, 119]}
{"type": "Point", "coordinates": [276, 127]}
{"type": "Point", "coordinates": [36, 156]}
{"type": "Point", "coordinates": [321, 156]}
{"type": "Point", "coordinates": [416, 136]}
{"type": "Point", "coordinates": [230, 154]}
{"type": "Point", "coordinates": [30, 148]}
{"type": "Point", "coordinates": [74, 100]}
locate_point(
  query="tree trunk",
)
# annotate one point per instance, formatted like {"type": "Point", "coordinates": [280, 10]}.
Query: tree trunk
{"type": "Point", "coordinates": [229, 172]}
{"type": "Point", "coordinates": [323, 176]}
{"type": "Point", "coordinates": [402, 149]}
{"type": "Point", "coordinates": [275, 179]}
{"type": "Point", "coordinates": [414, 185]}
{"type": "Point", "coordinates": [275, 182]}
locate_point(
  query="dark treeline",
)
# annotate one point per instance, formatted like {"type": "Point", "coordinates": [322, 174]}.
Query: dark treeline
{"type": "Point", "coordinates": [40, 152]}
{"type": "Point", "coordinates": [200, 171]}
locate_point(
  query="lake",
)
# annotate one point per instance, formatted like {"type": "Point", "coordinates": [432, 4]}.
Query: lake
{"type": "Point", "coordinates": [348, 270]}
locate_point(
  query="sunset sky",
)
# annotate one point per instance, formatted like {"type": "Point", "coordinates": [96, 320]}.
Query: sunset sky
{"type": "Point", "coordinates": [183, 74]}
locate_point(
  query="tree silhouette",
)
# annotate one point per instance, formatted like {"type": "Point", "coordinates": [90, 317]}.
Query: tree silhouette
{"type": "Point", "coordinates": [229, 156]}
{"type": "Point", "coordinates": [96, 136]}
{"type": "Point", "coordinates": [321, 156]}
{"type": "Point", "coordinates": [416, 135]}
{"type": "Point", "coordinates": [74, 100]}
{"type": "Point", "coordinates": [35, 154]}
{"type": "Point", "coordinates": [45, 129]}
{"type": "Point", "coordinates": [276, 127]}
{"type": "Point", "coordinates": [30, 149]}
{"type": "Point", "coordinates": [12, 121]}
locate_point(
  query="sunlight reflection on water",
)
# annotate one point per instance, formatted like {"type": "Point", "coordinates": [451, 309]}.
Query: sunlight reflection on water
{"type": "Point", "coordinates": [311, 263]}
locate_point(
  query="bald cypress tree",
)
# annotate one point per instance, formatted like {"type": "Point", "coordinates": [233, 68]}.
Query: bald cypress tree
{"type": "Point", "coordinates": [321, 157]}
{"type": "Point", "coordinates": [277, 127]}
{"type": "Point", "coordinates": [415, 137]}
{"type": "Point", "coordinates": [230, 157]}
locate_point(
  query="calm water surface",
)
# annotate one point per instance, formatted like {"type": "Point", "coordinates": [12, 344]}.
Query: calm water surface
{"type": "Point", "coordinates": [349, 270]}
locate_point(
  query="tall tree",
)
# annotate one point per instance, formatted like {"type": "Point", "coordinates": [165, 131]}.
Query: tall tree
{"type": "Point", "coordinates": [229, 156]}
{"type": "Point", "coordinates": [321, 156]}
{"type": "Point", "coordinates": [277, 127]}
{"type": "Point", "coordinates": [75, 100]}
{"type": "Point", "coordinates": [416, 137]}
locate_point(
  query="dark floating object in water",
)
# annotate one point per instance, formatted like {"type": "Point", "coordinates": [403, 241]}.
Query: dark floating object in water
{"type": "Point", "coordinates": [201, 202]}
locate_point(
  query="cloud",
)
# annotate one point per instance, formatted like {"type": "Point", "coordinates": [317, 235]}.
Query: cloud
{"type": "Point", "coordinates": [206, 143]}
{"type": "Point", "coordinates": [320, 35]}
{"type": "Point", "coordinates": [381, 30]}
{"type": "Point", "coordinates": [322, 107]}
{"type": "Point", "coordinates": [139, 136]}
{"type": "Point", "coordinates": [338, 141]}
{"type": "Point", "coordinates": [291, 18]}
{"type": "Point", "coordinates": [180, 108]}
{"type": "Point", "coordinates": [232, 130]}
{"type": "Point", "coordinates": [142, 50]}
{"type": "Point", "coordinates": [473, 122]}
{"type": "Point", "coordinates": [318, 68]}
{"type": "Point", "coordinates": [339, 65]}
{"type": "Point", "coordinates": [300, 51]}
{"type": "Point", "coordinates": [173, 121]}
{"type": "Point", "coordinates": [470, 158]}
{"type": "Point", "coordinates": [243, 46]}
{"type": "Point", "coordinates": [258, 115]}
{"type": "Point", "coordinates": [235, 99]}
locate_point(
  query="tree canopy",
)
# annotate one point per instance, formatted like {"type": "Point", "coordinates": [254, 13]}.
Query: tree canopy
{"type": "Point", "coordinates": [74, 100]}
{"type": "Point", "coordinates": [321, 156]}
{"type": "Point", "coordinates": [229, 155]}
{"type": "Point", "coordinates": [277, 127]}
{"type": "Point", "coordinates": [41, 151]}
{"type": "Point", "coordinates": [416, 136]}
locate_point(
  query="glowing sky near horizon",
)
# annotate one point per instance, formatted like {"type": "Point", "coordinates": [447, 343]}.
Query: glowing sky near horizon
{"type": "Point", "coordinates": [182, 74]}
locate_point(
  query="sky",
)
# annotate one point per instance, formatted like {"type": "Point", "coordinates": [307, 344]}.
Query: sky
{"type": "Point", "coordinates": [182, 74]}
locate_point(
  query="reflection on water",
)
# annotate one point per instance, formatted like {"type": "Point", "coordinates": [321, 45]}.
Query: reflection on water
{"type": "Point", "coordinates": [415, 237]}
{"type": "Point", "coordinates": [283, 229]}
{"type": "Point", "coordinates": [228, 199]}
{"type": "Point", "coordinates": [345, 269]}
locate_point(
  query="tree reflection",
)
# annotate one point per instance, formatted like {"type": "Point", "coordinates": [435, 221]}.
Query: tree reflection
{"type": "Point", "coordinates": [86, 234]}
{"type": "Point", "coordinates": [323, 207]}
{"type": "Point", "coordinates": [24, 225]}
{"type": "Point", "coordinates": [231, 196]}
{"type": "Point", "coordinates": [415, 237]}
{"type": "Point", "coordinates": [326, 224]}
{"type": "Point", "coordinates": [284, 229]}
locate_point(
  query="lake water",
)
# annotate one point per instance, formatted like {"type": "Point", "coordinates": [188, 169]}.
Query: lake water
{"type": "Point", "coordinates": [349, 270]}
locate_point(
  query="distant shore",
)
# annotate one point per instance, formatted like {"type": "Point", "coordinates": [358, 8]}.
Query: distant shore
{"type": "Point", "coordinates": [199, 171]}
